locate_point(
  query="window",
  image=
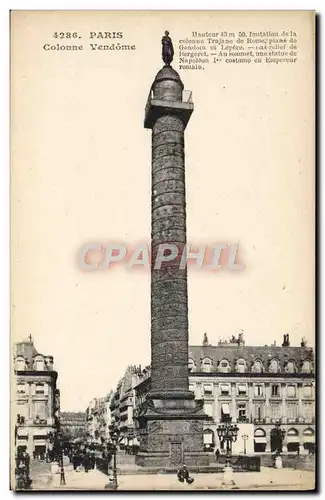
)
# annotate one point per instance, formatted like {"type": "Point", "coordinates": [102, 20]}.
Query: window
{"type": "Point", "coordinates": [259, 411]}
{"type": "Point", "coordinates": [224, 366]}
{"type": "Point", "coordinates": [306, 366]}
{"type": "Point", "coordinates": [225, 412]}
{"type": "Point", "coordinates": [241, 411]}
{"type": "Point", "coordinates": [307, 391]}
{"type": "Point", "coordinates": [292, 411]}
{"type": "Point", "coordinates": [21, 388]}
{"type": "Point", "coordinates": [257, 366]}
{"type": "Point", "coordinates": [275, 411]}
{"type": "Point", "coordinates": [207, 388]}
{"type": "Point", "coordinates": [208, 409]}
{"type": "Point", "coordinates": [191, 365]}
{"type": "Point", "coordinates": [308, 410]}
{"type": "Point", "coordinates": [20, 364]}
{"type": "Point", "coordinates": [275, 390]}
{"type": "Point", "coordinates": [40, 410]}
{"type": "Point", "coordinates": [274, 366]}
{"type": "Point", "coordinates": [39, 389]}
{"type": "Point", "coordinates": [258, 390]}
{"type": "Point", "coordinates": [39, 365]}
{"type": "Point", "coordinates": [241, 366]}
{"type": "Point", "coordinates": [291, 391]}
{"type": "Point", "coordinates": [291, 367]}
{"type": "Point", "coordinates": [206, 365]}
{"type": "Point", "coordinates": [242, 390]}
{"type": "Point", "coordinates": [224, 390]}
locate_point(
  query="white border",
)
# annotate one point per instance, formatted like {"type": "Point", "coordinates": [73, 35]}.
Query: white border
{"type": "Point", "coordinates": [318, 6]}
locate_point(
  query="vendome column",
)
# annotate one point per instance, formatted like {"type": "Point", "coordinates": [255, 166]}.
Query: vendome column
{"type": "Point", "coordinates": [171, 421]}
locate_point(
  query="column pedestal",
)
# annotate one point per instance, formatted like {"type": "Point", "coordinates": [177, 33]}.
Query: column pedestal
{"type": "Point", "coordinates": [171, 435]}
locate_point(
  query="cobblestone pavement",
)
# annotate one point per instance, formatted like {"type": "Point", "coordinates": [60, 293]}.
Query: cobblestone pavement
{"type": "Point", "coordinates": [267, 479]}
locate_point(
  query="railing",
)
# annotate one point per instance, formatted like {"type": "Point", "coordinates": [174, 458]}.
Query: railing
{"type": "Point", "coordinates": [186, 98]}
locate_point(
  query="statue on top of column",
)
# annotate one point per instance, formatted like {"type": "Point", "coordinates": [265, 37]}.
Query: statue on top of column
{"type": "Point", "coordinates": [167, 49]}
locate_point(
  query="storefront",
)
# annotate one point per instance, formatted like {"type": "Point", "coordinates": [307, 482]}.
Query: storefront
{"type": "Point", "coordinates": [292, 441]}
{"type": "Point", "coordinates": [309, 440]}
{"type": "Point", "coordinates": [22, 439]}
{"type": "Point", "coordinates": [40, 444]}
{"type": "Point", "coordinates": [259, 441]}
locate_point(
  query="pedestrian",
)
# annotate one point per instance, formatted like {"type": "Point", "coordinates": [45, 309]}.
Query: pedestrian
{"type": "Point", "coordinates": [184, 475]}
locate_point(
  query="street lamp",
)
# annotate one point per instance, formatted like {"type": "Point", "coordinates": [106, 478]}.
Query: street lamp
{"type": "Point", "coordinates": [59, 448]}
{"type": "Point", "coordinates": [277, 436]}
{"type": "Point", "coordinates": [114, 434]}
{"type": "Point", "coordinates": [245, 437]}
{"type": "Point", "coordinates": [62, 474]}
{"type": "Point", "coordinates": [228, 433]}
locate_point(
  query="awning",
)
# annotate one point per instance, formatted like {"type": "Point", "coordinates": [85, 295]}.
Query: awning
{"type": "Point", "coordinates": [225, 408]}
{"type": "Point", "coordinates": [207, 437]}
{"type": "Point", "coordinates": [292, 439]}
{"type": "Point", "coordinates": [22, 432]}
{"type": "Point", "coordinates": [40, 442]}
{"type": "Point", "coordinates": [40, 432]}
{"type": "Point", "coordinates": [260, 439]}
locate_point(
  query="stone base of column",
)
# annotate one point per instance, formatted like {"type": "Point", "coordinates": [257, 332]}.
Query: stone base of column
{"type": "Point", "coordinates": [171, 434]}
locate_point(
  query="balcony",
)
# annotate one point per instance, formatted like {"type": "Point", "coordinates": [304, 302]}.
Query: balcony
{"type": "Point", "coordinates": [243, 420]}
{"type": "Point", "coordinates": [158, 107]}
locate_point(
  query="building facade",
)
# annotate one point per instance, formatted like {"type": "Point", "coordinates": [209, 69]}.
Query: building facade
{"type": "Point", "coordinates": [256, 387]}
{"type": "Point", "coordinates": [98, 418]}
{"type": "Point", "coordinates": [36, 399]}
{"type": "Point", "coordinates": [122, 406]}
{"type": "Point", "coordinates": [73, 423]}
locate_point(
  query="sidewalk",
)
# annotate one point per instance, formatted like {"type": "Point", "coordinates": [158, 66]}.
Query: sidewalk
{"type": "Point", "coordinates": [267, 479]}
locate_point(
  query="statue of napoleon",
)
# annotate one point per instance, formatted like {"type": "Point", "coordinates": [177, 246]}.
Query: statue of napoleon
{"type": "Point", "coordinates": [167, 49]}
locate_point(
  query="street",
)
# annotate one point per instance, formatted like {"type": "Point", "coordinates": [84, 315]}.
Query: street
{"type": "Point", "coordinates": [267, 479]}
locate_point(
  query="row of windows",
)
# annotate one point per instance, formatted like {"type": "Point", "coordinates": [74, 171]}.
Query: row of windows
{"type": "Point", "coordinates": [35, 389]}
{"type": "Point", "coordinates": [259, 390]}
{"type": "Point", "coordinates": [40, 364]}
{"type": "Point", "coordinates": [224, 366]}
{"type": "Point", "coordinates": [292, 411]}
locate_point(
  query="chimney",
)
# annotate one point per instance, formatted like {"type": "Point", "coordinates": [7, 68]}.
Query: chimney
{"type": "Point", "coordinates": [205, 340]}
{"type": "Point", "coordinates": [286, 342]}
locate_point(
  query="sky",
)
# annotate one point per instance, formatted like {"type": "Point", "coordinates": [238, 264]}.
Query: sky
{"type": "Point", "coordinates": [81, 163]}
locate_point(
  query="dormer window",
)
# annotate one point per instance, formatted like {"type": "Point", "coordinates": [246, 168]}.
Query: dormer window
{"type": "Point", "coordinates": [306, 366]}
{"type": "Point", "coordinates": [20, 363]}
{"type": "Point", "coordinates": [191, 365]}
{"type": "Point", "coordinates": [290, 367]}
{"type": "Point", "coordinates": [241, 365]}
{"type": "Point", "coordinates": [224, 366]}
{"type": "Point", "coordinates": [274, 366]}
{"type": "Point", "coordinates": [206, 365]}
{"type": "Point", "coordinates": [257, 366]}
{"type": "Point", "coordinates": [39, 364]}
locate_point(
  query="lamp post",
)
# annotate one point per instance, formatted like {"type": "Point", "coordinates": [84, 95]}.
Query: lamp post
{"type": "Point", "coordinates": [114, 434]}
{"type": "Point", "coordinates": [59, 449]}
{"type": "Point", "coordinates": [245, 437]}
{"type": "Point", "coordinates": [228, 433]}
{"type": "Point", "coordinates": [277, 437]}
{"type": "Point", "coordinates": [62, 473]}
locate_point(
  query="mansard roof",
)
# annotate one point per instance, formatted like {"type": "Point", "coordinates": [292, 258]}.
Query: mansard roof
{"type": "Point", "coordinates": [250, 354]}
